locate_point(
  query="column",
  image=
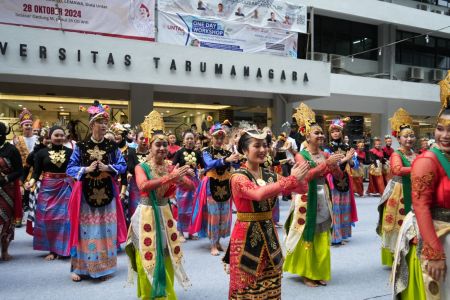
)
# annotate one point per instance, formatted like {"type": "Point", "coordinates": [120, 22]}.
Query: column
{"type": "Point", "coordinates": [281, 112]}
{"type": "Point", "coordinates": [141, 102]}
{"type": "Point", "coordinates": [387, 33]}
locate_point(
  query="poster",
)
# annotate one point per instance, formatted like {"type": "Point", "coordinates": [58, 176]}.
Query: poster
{"type": "Point", "coordinates": [193, 31]}
{"type": "Point", "coordinates": [134, 19]}
{"type": "Point", "coordinates": [279, 14]}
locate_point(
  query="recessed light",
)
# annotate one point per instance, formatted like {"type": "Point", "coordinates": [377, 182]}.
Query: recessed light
{"type": "Point", "coordinates": [191, 115]}
{"type": "Point", "coordinates": [20, 105]}
{"type": "Point", "coordinates": [167, 111]}
{"type": "Point", "coordinates": [61, 107]}
{"type": "Point", "coordinates": [162, 114]}
{"type": "Point", "coordinates": [198, 113]}
{"type": "Point", "coordinates": [184, 116]}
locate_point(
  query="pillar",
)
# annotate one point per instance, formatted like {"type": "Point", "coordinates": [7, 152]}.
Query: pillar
{"type": "Point", "coordinates": [141, 102]}
{"type": "Point", "coordinates": [387, 33]}
{"type": "Point", "coordinates": [281, 112]}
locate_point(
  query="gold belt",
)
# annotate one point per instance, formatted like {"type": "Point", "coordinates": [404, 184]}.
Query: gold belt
{"type": "Point", "coordinates": [254, 217]}
{"type": "Point", "coordinates": [213, 174]}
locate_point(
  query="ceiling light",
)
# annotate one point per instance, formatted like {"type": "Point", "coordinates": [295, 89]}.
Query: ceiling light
{"type": "Point", "coordinates": [168, 111]}
{"type": "Point", "coordinates": [61, 107]}
{"type": "Point", "coordinates": [20, 105]}
{"type": "Point", "coordinates": [191, 115]}
{"type": "Point", "coordinates": [184, 116]}
{"type": "Point", "coordinates": [198, 113]}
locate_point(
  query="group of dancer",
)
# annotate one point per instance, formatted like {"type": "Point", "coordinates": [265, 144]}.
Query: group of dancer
{"type": "Point", "coordinates": [88, 199]}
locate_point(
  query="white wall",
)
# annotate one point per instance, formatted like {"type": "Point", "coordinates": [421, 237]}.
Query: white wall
{"type": "Point", "coordinates": [142, 69]}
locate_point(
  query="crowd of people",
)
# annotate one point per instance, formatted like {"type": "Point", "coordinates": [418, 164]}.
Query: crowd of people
{"type": "Point", "coordinates": [149, 193]}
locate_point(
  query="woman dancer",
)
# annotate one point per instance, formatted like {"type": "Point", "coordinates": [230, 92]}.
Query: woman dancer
{"type": "Point", "coordinates": [135, 157]}
{"type": "Point", "coordinates": [377, 181]}
{"type": "Point", "coordinates": [358, 169]}
{"type": "Point", "coordinates": [255, 190]}
{"type": "Point", "coordinates": [51, 228]}
{"type": "Point", "coordinates": [212, 202]}
{"type": "Point", "coordinates": [395, 203]}
{"type": "Point", "coordinates": [10, 202]}
{"type": "Point", "coordinates": [308, 225]}
{"type": "Point", "coordinates": [97, 223]}
{"type": "Point", "coordinates": [423, 274]}
{"type": "Point", "coordinates": [153, 245]}
{"type": "Point", "coordinates": [343, 199]}
{"type": "Point", "coordinates": [185, 199]}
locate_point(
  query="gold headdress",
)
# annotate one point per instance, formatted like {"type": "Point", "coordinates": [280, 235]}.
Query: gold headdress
{"type": "Point", "coordinates": [445, 98]}
{"type": "Point", "coordinates": [153, 126]}
{"type": "Point", "coordinates": [401, 120]}
{"type": "Point", "coordinates": [305, 118]}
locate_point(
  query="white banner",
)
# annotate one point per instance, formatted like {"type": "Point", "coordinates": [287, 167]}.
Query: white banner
{"type": "Point", "coordinates": [281, 14]}
{"type": "Point", "coordinates": [133, 19]}
{"type": "Point", "coordinates": [209, 33]}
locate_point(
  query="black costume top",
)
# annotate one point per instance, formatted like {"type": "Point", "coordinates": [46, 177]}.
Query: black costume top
{"type": "Point", "coordinates": [52, 159]}
{"type": "Point", "coordinates": [12, 156]}
{"type": "Point", "coordinates": [134, 158]}
{"type": "Point", "coordinates": [189, 157]}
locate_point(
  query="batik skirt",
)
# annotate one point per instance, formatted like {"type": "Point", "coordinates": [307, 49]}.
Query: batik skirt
{"type": "Point", "coordinates": [52, 227]}
{"type": "Point", "coordinates": [342, 216]}
{"type": "Point", "coordinates": [32, 208]}
{"type": "Point", "coordinates": [96, 252]}
{"type": "Point", "coordinates": [9, 194]}
{"type": "Point", "coordinates": [219, 219]}
{"type": "Point", "coordinates": [185, 203]}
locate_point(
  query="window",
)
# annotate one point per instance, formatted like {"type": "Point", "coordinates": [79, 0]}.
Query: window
{"type": "Point", "coordinates": [417, 52]}
{"type": "Point", "coordinates": [345, 37]}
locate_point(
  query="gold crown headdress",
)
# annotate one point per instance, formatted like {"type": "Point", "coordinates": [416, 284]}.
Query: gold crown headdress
{"type": "Point", "coordinates": [305, 118]}
{"type": "Point", "coordinates": [153, 126]}
{"type": "Point", "coordinates": [400, 120]}
{"type": "Point", "coordinates": [445, 97]}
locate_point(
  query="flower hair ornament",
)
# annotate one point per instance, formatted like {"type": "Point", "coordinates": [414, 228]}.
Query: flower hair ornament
{"type": "Point", "coordinates": [305, 118]}
{"type": "Point", "coordinates": [216, 130]}
{"type": "Point", "coordinates": [338, 123]}
{"type": "Point", "coordinates": [96, 111]}
{"type": "Point", "coordinates": [401, 120]}
{"type": "Point", "coordinates": [153, 127]}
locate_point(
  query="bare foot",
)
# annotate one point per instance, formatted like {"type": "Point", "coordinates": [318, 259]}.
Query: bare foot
{"type": "Point", "coordinates": [193, 237]}
{"type": "Point", "coordinates": [51, 256]}
{"type": "Point", "coordinates": [214, 251]}
{"type": "Point", "coordinates": [321, 282]}
{"type": "Point", "coordinates": [75, 277]}
{"type": "Point", "coordinates": [219, 247]}
{"type": "Point", "coordinates": [182, 238]}
{"type": "Point", "coordinates": [6, 256]}
{"type": "Point", "coordinates": [309, 283]}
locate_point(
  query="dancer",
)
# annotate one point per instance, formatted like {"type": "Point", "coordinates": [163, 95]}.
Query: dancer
{"type": "Point", "coordinates": [308, 225]}
{"type": "Point", "coordinates": [344, 206]}
{"type": "Point", "coordinates": [10, 204]}
{"type": "Point", "coordinates": [153, 245]}
{"type": "Point", "coordinates": [396, 200]}
{"type": "Point", "coordinates": [387, 152]}
{"type": "Point", "coordinates": [135, 157]}
{"type": "Point", "coordinates": [96, 215]}
{"type": "Point", "coordinates": [358, 169]}
{"type": "Point", "coordinates": [422, 254]}
{"type": "Point", "coordinates": [185, 198]}
{"type": "Point", "coordinates": [255, 190]}
{"type": "Point", "coordinates": [173, 147]}
{"type": "Point", "coordinates": [43, 142]}
{"type": "Point", "coordinates": [51, 228]}
{"type": "Point", "coordinates": [377, 181]}
{"type": "Point", "coordinates": [25, 145]}
{"type": "Point", "coordinates": [212, 205]}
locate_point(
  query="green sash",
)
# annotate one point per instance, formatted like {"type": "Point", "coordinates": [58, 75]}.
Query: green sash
{"type": "Point", "coordinates": [406, 181]}
{"type": "Point", "coordinates": [311, 210]}
{"type": "Point", "coordinates": [159, 274]}
{"type": "Point", "coordinates": [443, 160]}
